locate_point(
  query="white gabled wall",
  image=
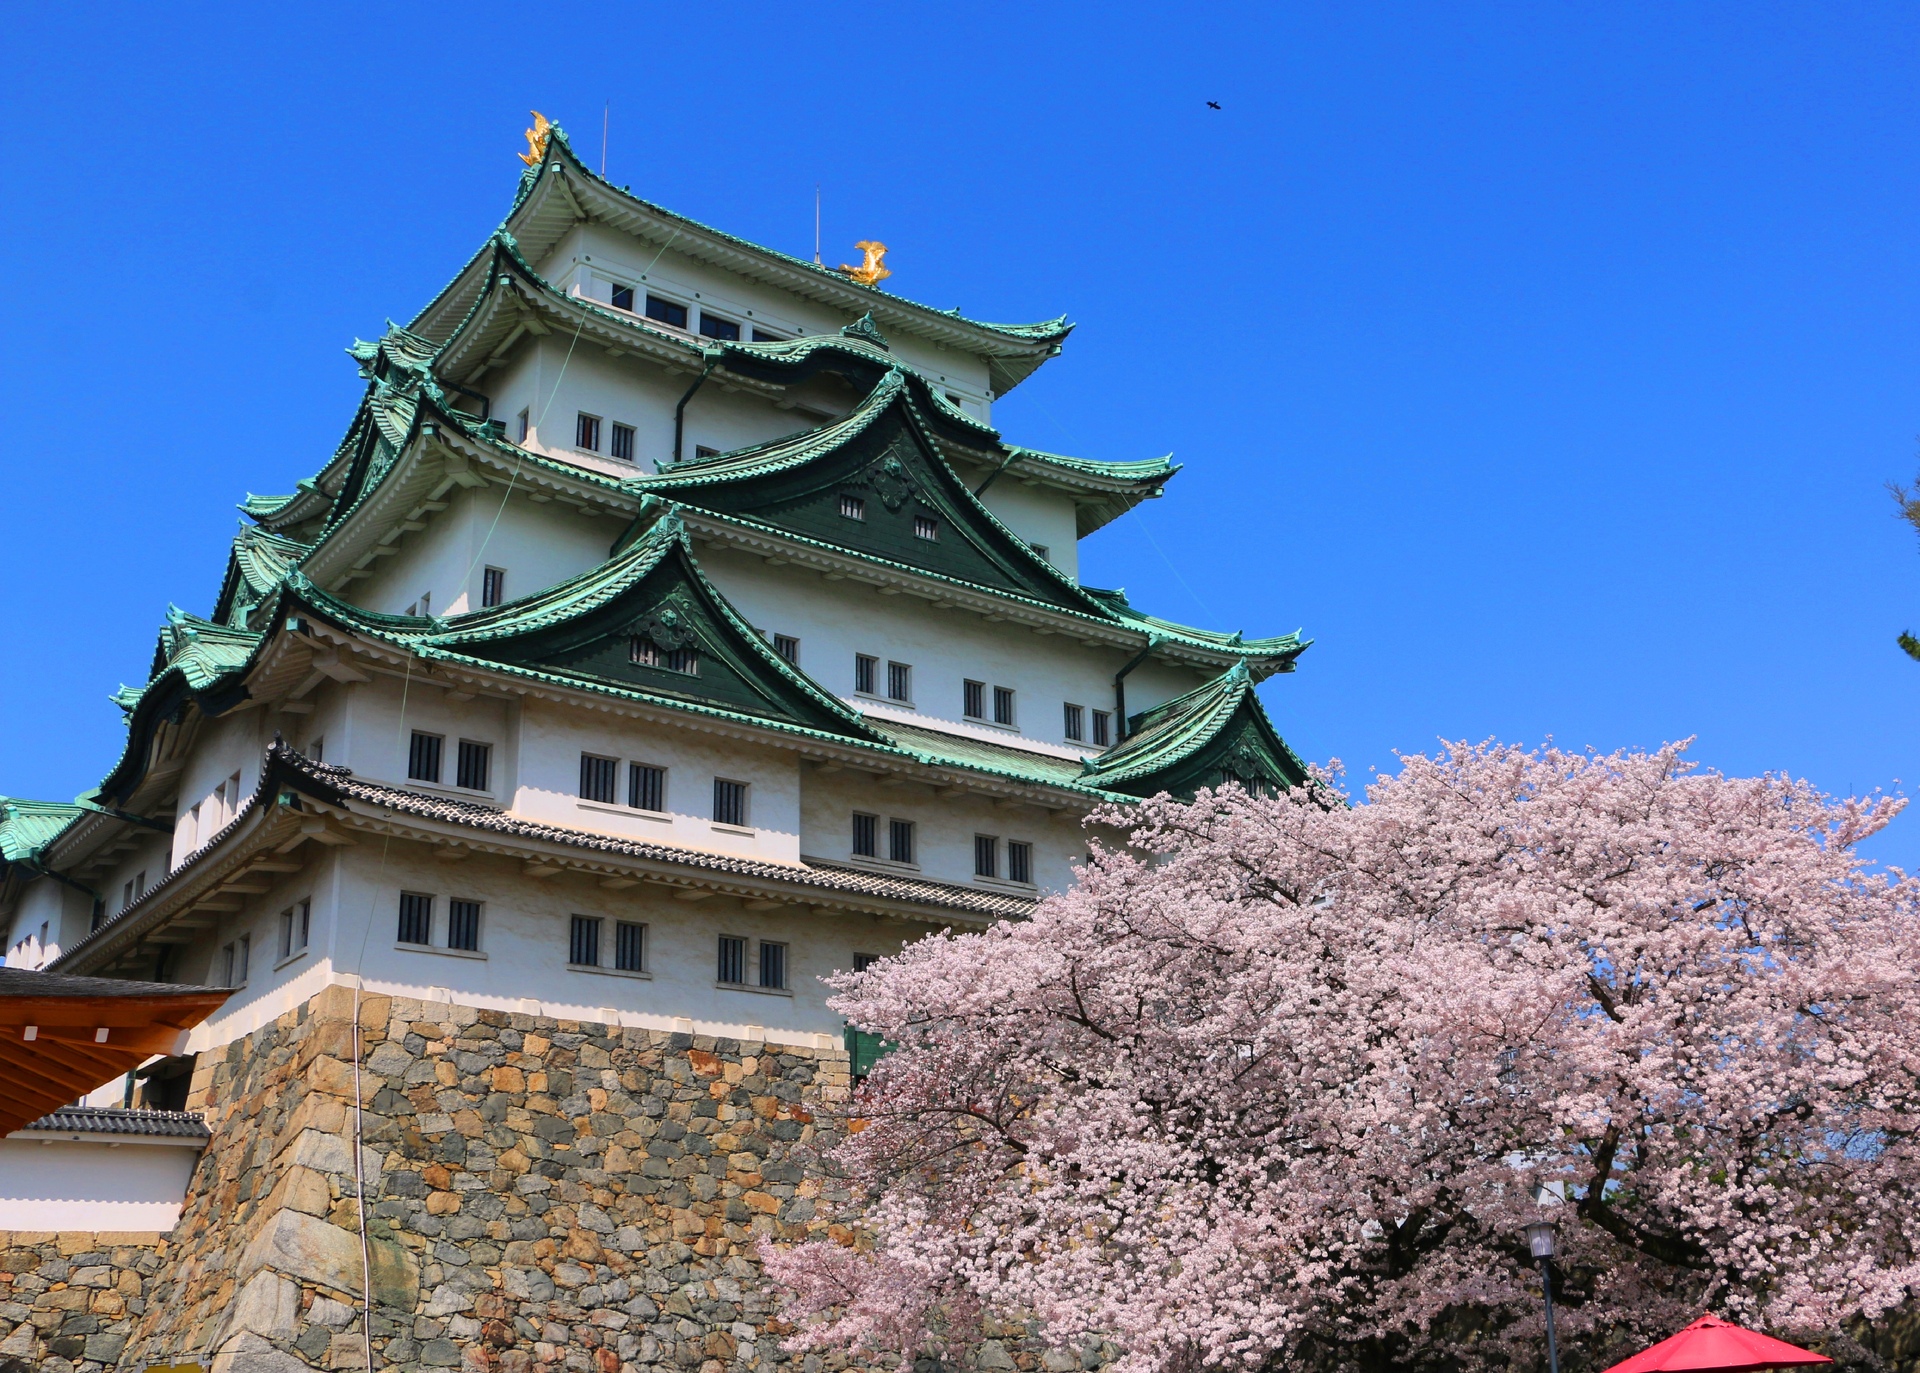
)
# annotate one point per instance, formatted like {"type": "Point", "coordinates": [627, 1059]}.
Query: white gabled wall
{"type": "Point", "coordinates": [125, 1183]}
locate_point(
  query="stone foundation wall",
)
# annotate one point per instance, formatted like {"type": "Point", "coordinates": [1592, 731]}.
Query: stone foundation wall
{"type": "Point", "coordinates": [69, 1301]}
{"type": "Point", "coordinates": [541, 1195]}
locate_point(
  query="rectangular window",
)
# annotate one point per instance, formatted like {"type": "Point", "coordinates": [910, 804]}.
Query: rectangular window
{"type": "Point", "coordinates": [729, 802]}
{"type": "Point", "coordinates": [416, 918]}
{"type": "Point", "coordinates": [667, 311]}
{"type": "Point", "coordinates": [863, 961]}
{"type": "Point", "coordinates": [864, 668]}
{"type": "Point", "coordinates": [586, 432]}
{"type": "Point", "coordinates": [621, 442]}
{"type": "Point", "coordinates": [646, 787]}
{"type": "Point", "coordinates": [629, 946]}
{"type": "Point", "coordinates": [583, 941]}
{"type": "Point", "coordinates": [126, 895]}
{"type": "Point", "coordinates": [1019, 861]}
{"type": "Point", "coordinates": [463, 925]}
{"type": "Point", "coordinates": [733, 959]}
{"type": "Point", "coordinates": [973, 700]}
{"type": "Point", "coordinates": [773, 966]}
{"type": "Point", "coordinates": [526, 424]}
{"type": "Point", "coordinates": [900, 841]}
{"type": "Point", "coordinates": [1041, 549]}
{"type": "Point", "coordinates": [715, 327]}
{"type": "Point", "coordinates": [246, 954]}
{"type": "Point", "coordinates": [866, 835]}
{"type": "Point", "coordinates": [926, 527]}
{"type": "Point", "coordinates": [296, 923]}
{"type": "Point", "coordinates": [475, 761]}
{"type": "Point", "coordinates": [423, 757]}
{"type": "Point", "coordinates": [598, 776]}
{"type": "Point", "coordinates": [317, 749]}
{"type": "Point", "coordinates": [493, 587]}
{"type": "Point", "coordinates": [647, 653]}
{"type": "Point", "coordinates": [1102, 727]}
{"type": "Point", "coordinates": [762, 336]}
{"type": "Point", "coordinates": [986, 856]}
{"type": "Point", "coordinates": [700, 450]}
{"type": "Point", "coordinates": [622, 297]}
{"type": "Point", "coordinates": [1003, 705]}
{"type": "Point", "coordinates": [899, 682]}
{"type": "Point", "coordinates": [787, 647]}
{"type": "Point", "coordinates": [226, 965]}
{"type": "Point", "coordinates": [853, 507]}
{"type": "Point", "coordinates": [1076, 722]}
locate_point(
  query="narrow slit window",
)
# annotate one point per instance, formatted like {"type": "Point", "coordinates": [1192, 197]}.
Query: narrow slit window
{"type": "Point", "coordinates": [1003, 705]}
{"type": "Point", "coordinates": [295, 922]}
{"type": "Point", "coordinates": [729, 802]}
{"type": "Point", "coordinates": [926, 527]}
{"type": "Point", "coordinates": [646, 787]}
{"type": "Point", "coordinates": [1102, 727]}
{"type": "Point", "coordinates": [773, 966]}
{"type": "Point", "coordinates": [475, 762]}
{"type": "Point", "coordinates": [667, 311]}
{"type": "Point", "coordinates": [622, 297]}
{"type": "Point", "coordinates": [1075, 724]}
{"type": "Point", "coordinates": [630, 947]}
{"type": "Point", "coordinates": [986, 856]}
{"type": "Point", "coordinates": [899, 682]}
{"type": "Point", "coordinates": [416, 918]}
{"type": "Point", "coordinates": [733, 960]}
{"type": "Point", "coordinates": [853, 507]}
{"type": "Point", "coordinates": [866, 835]}
{"type": "Point", "coordinates": [493, 587]}
{"type": "Point", "coordinates": [900, 841]}
{"type": "Point", "coordinates": [463, 925]}
{"type": "Point", "coordinates": [713, 326]}
{"type": "Point", "coordinates": [597, 777]}
{"type": "Point", "coordinates": [973, 700]}
{"type": "Point", "coordinates": [1019, 861]}
{"type": "Point", "coordinates": [423, 757]}
{"type": "Point", "coordinates": [586, 433]}
{"type": "Point", "coordinates": [864, 668]}
{"type": "Point", "coordinates": [787, 647]}
{"type": "Point", "coordinates": [526, 424]}
{"type": "Point", "coordinates": [620, 442]}
{"type": "Point", "coordinates": [583, 941]}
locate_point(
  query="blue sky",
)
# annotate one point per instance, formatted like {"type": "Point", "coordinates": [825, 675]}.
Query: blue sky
{"type": "Point", "coordinates": [1545, 364]}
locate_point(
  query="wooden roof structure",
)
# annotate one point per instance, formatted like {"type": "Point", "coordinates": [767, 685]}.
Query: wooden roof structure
{"type": "Point", "coordinates": [62, 1036]}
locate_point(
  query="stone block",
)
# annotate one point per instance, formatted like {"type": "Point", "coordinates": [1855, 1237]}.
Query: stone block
{"type": "Point", "coordinates": [306, 1247]}
{"type": "Point", "coordinates": [268, 1305]}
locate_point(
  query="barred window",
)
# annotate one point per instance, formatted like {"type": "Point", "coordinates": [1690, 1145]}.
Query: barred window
{"type": "Point", "coordinates": [866, 835]}
{"type": "Point", "coordinates": [646, 787]}
{"type": "Point", "coordinates": [463, 925]}
{"type": "Point", "coordinates": [926, 527]}
{"type": "Point", "coordinates": [1019, 861]}
{"type": "Point", "coordinates": [474, 763]}
{"type": "Point", "coordinates": [729, 802]}
{"type": "Point", "coordinates": [647, 653]}
{"type": "Point", "coordinates": [853, 507]}
{"type": "Point", "coordinates": [296, 923]}
{"type": "Point", "coordinates": [973, 700]}
{"type": "Point", "coordinates": [1076, 722]}
{"type": "Point", "coordinates": [733, 959]}
{"type": "Point", "coordinates": [629, 946]}
{"type": "Point", "coordinates": [583, 941]}
{"type": "Point", "coordinates": [863, 961]}
{"type": "Point", "coordinates": [899, 682]}
{"type": "Point", "coordinates": [864, 668]}
{"type": "Point", "coordinates": [1003, 705]}
{"type": "Point", "coordinates": [787, 647]}
{"type": "Point", "coordinates": [773, 966]}
{"type": "Point", "coordinates": [586, 432]}
{"type": "Point", "coordinates": [620, 442]}
{"type": "Point", "coordinates": [597, 777]}
{"type": "Point", "coordinates": [416, 918]}
{"type": "Point", "coordinates": [423, 757]}
{"type": "Point", "coordinates": [900, 840]}
{"type": "Point", "coordinates": [1102, 727]}
{"type": "Point", "coordinates": [493, 587]}
{"type": "Point", "coordinates": [986, 856]}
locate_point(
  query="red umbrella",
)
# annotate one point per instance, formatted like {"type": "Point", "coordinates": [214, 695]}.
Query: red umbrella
{"type": "Point", "coordinates": [1712, 1344]}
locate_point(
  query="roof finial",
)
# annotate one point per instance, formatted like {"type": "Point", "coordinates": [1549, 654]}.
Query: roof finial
{"type": "Point", "coordinates": [537, 139]}
{"type": "Point", "coordinates": [869, 272]}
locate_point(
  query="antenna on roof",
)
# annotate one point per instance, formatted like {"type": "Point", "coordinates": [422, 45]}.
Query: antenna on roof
{"type": "Point", "coordinates": [605, 115]}
{"type": "Point", "coordinates": [816, 226]}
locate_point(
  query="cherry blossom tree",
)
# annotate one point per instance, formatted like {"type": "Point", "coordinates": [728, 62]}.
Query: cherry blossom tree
{"type": "Point", "coordinates": [1279, 1083]}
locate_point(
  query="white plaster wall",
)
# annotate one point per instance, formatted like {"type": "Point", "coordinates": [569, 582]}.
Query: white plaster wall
{"type": "Point", "coordinates": [232, 743]}
{"type": "Point", "coordinates": [1039, 516]}
{"type": "Point", "coordinates": [49, 918]}
{"type": "Point", "coordinates": [370, 729]}
{"type": "Point", "coordinates": [58, 1184]}
{"type": "Point", "coordinates": [548, 782]}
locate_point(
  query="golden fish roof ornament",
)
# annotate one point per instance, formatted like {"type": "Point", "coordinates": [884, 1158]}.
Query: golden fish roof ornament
{"type": "Point", "coordinates": [537, 139]}
{"type": "Point", "coordinates": [869, 271]}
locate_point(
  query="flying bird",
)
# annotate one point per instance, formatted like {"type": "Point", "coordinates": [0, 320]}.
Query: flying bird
{"type": "Point", "coordinates": [1213, 104]}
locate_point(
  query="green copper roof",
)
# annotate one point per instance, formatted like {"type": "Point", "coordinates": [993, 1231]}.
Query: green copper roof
{"type": "Point", "coordinates": [258, 564]}
{"type": "Point", "coordinates": [27, 827]}
{"type": "Point", "coordinates": [941, 747]}
{"type": "Point", "coordinates": [265, 507]}
{"type": "Point", "coordinates": [1281, 649]}
{"type": "Point", "coordinates": [200, 650]}
{"type": "Point", "coordinates": [1213, 734]}
{"type": "Point", "coordinates": [1147, 470]}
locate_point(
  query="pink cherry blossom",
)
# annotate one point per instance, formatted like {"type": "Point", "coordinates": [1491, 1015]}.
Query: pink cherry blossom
{"type": "Point", "coordinates": [1279, 1083]}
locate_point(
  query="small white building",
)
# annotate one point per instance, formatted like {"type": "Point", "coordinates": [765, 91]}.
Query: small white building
{"type": "Point", "coordinates": [96, 1169]}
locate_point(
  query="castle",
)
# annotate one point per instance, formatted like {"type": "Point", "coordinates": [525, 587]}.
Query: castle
{"type": "Point", "coordinates": [670, 630]}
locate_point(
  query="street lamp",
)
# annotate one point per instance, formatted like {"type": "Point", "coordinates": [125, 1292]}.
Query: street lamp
{"type": "Point", "coordinates": [1540, 1242]}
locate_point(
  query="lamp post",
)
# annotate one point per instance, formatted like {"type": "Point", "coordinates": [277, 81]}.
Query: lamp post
{"type": "Point", "coordinates": [1540, 1242]}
